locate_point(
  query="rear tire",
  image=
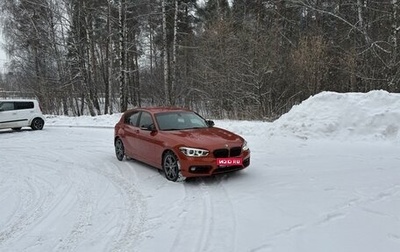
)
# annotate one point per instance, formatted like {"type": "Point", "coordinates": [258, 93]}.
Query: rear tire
{"type": "Point", "coordinates": [37, 124]}
{"type": "Point", "coordinates": [119, 149]}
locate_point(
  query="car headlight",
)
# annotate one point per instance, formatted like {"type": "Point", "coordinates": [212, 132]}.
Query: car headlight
{"type": "Point", "coordinates": [244, 146]}
{"type": "Point", "coordinates": [193, 152]}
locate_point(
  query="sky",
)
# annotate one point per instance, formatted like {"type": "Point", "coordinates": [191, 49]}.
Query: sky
{"type": "Point", "coordinates": [323, 177]}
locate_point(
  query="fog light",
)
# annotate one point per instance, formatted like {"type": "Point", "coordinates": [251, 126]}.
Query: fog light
{"type": "Point", "coordinates": [193, 168]}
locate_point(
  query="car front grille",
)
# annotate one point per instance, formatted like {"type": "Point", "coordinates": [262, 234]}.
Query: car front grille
{"type": "Point", "coordinates": [224, 153]}
{"type": "Point", "coordinates": [236, 151]}
{"type": "Point", "coordinates": [221, 153]}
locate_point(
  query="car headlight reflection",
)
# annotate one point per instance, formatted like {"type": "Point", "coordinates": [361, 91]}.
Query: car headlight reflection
{"type": "Point", "coordinates": [244, 146]}
{"type": "Point", "coordinates": [193, 152]}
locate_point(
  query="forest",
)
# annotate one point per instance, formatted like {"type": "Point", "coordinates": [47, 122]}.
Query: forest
{"type": "Point", "coordinates": [238, 59]}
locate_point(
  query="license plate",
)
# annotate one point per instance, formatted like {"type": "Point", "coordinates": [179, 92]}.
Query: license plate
{"type": "Point", "coordinates": [229, 161]}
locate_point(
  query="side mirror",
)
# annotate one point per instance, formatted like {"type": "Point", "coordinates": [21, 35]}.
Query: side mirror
{"type": "Point", "coordinates": [210, 123]}
{"type": "Point", "coordinates": [149, 127]}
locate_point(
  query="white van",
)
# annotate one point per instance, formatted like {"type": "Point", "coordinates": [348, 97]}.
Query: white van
{"type": "Point", "coordinates": [16, 114]}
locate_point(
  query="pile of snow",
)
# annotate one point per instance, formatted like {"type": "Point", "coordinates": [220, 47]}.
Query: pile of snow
{"type": "Point", "coordinates": [362, 116]}
{"type": "Point", "coordinates": [101, 121]}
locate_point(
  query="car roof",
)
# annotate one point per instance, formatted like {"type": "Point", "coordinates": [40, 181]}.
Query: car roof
{"type": "Point", "coordinates": [155, 110]}
{"type": "Point", "coordinates": [17, 100]}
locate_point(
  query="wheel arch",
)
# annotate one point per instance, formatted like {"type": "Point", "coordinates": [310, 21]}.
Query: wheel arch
{"type": "Point", "coordinates": [36, 117]}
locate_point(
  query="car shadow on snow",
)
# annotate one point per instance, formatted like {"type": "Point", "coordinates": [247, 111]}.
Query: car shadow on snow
{"type": "Point", "coordinates": [209, 180]}
{"type": "Point", "coordinates": [10, 131]}
{"type": "Point", "coordinates": [218, 178]}
{"type": "Point", "coordinates": [144, 166]}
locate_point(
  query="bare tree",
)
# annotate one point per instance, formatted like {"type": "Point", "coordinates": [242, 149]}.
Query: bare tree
{"type": "Point", "coordinates": [122, 58]}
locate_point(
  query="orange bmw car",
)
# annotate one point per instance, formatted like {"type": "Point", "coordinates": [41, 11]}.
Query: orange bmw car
{"type": "Point", "coordinates": [180, 142]}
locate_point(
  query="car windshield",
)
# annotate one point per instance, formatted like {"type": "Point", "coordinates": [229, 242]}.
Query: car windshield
{"type": "Point", "coordinates": [180, 120]}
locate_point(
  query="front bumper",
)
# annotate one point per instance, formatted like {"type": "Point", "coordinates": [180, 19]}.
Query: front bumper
{"type": "Point", "coordinates": [207, 166]}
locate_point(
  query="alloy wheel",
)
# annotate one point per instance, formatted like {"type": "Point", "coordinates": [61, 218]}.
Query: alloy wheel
{"type": "Point", "coordinates": [119, 149]}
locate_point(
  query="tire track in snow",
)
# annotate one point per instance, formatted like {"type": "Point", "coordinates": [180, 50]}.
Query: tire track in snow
{"type": "Point", "coordinates": [34, 200]}
{"type": "Point", "coordinates": [40, 197]}
{"type": "Point", "coordinates": [209, 218]}
{"type": "Point", "coordinates": [84, 206]}
{"type": "Point", "coordinates": [223, 229]}
{"type": "Point", "coordinates": [129, 225]}
{"type": "Point", "coordinates": [127, 229]}
{"type": "Point", "coordinates": [72, 193]}
{"type": "Point", "coordinates": [340, 211]}
{"type": "Point", "coordinates": [70, 190]}
{"type": "Point", "coordinates": [132, 224]}
{"type": "Point", "coordinates": [196, 218]}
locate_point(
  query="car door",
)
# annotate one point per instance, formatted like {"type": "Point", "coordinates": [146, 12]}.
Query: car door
{"type": "Point", "coordinates": [131, 130]}
{"type": "Point", "coordinates": [24, 112]}
{"type": "Point", "coordinates": [149, 145]}
{"type": "Point", "coordinates": [8, 115]}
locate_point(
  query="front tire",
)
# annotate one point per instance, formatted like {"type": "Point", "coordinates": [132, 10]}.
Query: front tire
{"type": "Point", "coordinates": [37, 124]}
{"type": "Point", "coordinates": [171, 167]}
{"type": "Point", "coordinates": [119, 149]}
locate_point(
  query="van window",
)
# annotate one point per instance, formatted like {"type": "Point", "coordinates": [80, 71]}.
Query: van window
{"type": "Point", "coordinates": [6, 106]}
{"type": "Point", "coordinates": [23, 105]}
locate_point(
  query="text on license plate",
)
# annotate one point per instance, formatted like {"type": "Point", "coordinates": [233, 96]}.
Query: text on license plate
{"type": "Point", "coordinates": [229, 161]}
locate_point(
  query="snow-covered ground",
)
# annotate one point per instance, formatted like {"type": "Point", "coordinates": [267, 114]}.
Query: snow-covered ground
{"type": "Point", "coordinates": [323, 177]}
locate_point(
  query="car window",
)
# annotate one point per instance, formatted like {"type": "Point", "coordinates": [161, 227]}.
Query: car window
{"type": "Point", "coordinates": [5, 106]}
{"type": "Point", "coordinates": [23, 105]}
{"type": "Point", "coordinates": [132, 118]}
{"type": "Point", "coordinates": [145, 120]}
{"type": "Point", "coordinates": [179, 121]}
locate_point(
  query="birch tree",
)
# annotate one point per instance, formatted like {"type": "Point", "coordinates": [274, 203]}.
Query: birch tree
{"type": "Point", "coordinates": [108, 106]}
{"type": "Point", "coordinates": [165, 55]}
{"type": "Point", "coordinates": [122, 58]}
{"type": "Point", "coordinates": [394, 81]}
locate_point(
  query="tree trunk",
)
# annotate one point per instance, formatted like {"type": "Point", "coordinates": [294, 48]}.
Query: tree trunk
{"type": "Point", "coordinates": [122, 77]}
{"type": "Point", "coordinates": [394, 79]}
{"type": "Point", "coordinates": [173, 64]}
{"type": "Point", "coordinates": [165, 54]}
{"type": "Point", "coordinates": [108, 85]}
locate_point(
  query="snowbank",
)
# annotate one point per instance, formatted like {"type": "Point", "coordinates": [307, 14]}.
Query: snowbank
{"type": "Point", "coordinates": [102, 121]}
{"type": "Point", "coordinates": [361, 116]}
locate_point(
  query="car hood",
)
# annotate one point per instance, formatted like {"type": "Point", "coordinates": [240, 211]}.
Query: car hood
{"type": "Point", "coordinates": [206, 138]}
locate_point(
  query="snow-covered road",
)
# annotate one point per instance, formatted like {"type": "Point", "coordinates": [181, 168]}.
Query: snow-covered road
{"type": "Point", "coordinates": [62, 189]}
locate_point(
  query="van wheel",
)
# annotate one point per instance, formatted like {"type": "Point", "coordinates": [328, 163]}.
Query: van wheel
{"type": "Point", "coordinates": [37, 124]}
